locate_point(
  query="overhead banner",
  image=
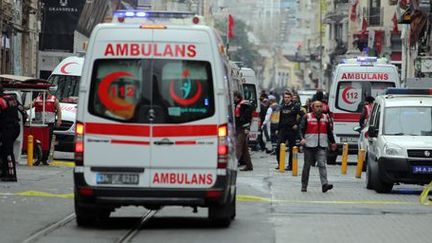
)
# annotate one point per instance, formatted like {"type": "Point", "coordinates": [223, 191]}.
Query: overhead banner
{"type": "Point", "coordinates": [59, 20]}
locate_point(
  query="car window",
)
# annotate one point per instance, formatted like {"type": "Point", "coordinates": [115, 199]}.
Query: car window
{"type": "Point", "coordinates": [351, 94]}
{"type": "Point", "coordinates": [67, 87]}
{"type": "Point", "coordinates": [249, 92]}
{"type": "Point", "coordinates": [183, 89]}
{"type": "Point", "coordinates": [118, 87]}
{"type": "Point", "coordinates": [372, 119]}
{"type": "Point", "coordinates": [413, 121]}
{"type": "Point", "coordinates": [175, 91]}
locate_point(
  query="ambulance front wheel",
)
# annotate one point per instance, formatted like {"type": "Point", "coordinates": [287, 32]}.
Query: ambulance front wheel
{"type": "Point", "coordinates": [331, 159]}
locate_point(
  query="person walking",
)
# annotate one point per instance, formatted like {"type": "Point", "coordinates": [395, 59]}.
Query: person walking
{"type": "Point", "coordinates": [9, 131]}
{"type": "Point", "coordinates": [288, 125]}
{"type": "Point", "coordinates": [243, 117]}
{"type": "Point", "coordinates": [272, 120]}
{"type": "Point", "coordinates": [263, 137]}
{"type": "Point", "coordinates": [367, 110]}
{"type": "Point", "coordinates": [53, 116]}
{"type": "Point", "coordinates": [316, 133]}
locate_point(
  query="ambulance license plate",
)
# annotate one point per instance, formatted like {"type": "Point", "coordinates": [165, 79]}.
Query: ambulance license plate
{"type": "Point", "coordinates": [348, 139]}
{"type": "Point", "coordinates": [117, 178]}
{"type": "Point", "coordinates": [422, 169]}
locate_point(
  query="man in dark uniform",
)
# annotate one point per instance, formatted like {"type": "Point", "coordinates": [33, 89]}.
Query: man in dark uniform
{"type": "Point", "coordinates": [243, 117]}
{"type": "Point", "coordinates": [9, 131]}
{"type": "Point", "coordinates": [289, 112]}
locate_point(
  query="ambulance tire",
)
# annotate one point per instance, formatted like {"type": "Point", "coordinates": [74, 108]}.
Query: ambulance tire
{"type": "Point", "coordinates": [221, 215]}
{"type": "Point", "coordinates": [89, 216]}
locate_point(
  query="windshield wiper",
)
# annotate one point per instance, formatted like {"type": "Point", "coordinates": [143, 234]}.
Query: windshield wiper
{"type": "Point", "coordinates": [395, 134]}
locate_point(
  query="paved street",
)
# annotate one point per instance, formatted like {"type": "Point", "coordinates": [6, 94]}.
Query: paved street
{"type": "Point", "coordinates": [270, 208]}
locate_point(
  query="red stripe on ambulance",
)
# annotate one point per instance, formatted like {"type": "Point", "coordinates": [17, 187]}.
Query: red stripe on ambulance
{"type": "Point", "coordinates": [130, 142]}
{"type": "Point", "coordinates": [182, 178]}
{"type": "Point", "coordinates": [185, 131]}
{"type": "Point", "coordinates": [346, 117]}
{"type": "Point", "coordinates": [117, 129]}
{"type": "Point", "coordinates": [158, 131]}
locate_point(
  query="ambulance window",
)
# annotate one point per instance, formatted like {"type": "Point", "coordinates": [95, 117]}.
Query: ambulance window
{"type": "Point", "coordinates": [351, 94]}
{"type": "Point", "coordinates": [249, 92]}
{"type": "Point", "coordinates": [67, 87]}
{"type": "Point", "coordinates": [183, 90]}
{"type": "Point", "coordinates": [118, 87]}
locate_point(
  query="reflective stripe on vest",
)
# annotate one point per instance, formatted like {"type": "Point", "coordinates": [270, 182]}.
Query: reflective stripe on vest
{"type": "Point", "coordinates": [275, 115]}
{"type": "Point", "coordinates": [50, 108]}
{"type": "Point", "coordinates": [316, 132]}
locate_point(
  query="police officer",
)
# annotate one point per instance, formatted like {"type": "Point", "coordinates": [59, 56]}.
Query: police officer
{"type": "Point", "coordinates": [9, 131]}
{"type": "Point", "coordinates": [287, 130]}
{"type": "Point", "coordinates": [243, 116]}
{"type": "Point", "coordinates": [316, 133]}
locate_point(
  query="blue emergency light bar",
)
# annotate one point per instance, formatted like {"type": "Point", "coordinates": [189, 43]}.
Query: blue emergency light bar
{"type": "Point", "coordinates": [366, 59]}
{"type": "Point", "coordinates": [151, 14]}
{"type": "Point", "coordinates": [405, 91]}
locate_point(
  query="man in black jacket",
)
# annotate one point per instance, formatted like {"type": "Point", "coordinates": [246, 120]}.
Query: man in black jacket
{"type": "Point", "coordinates": [289, 112]}
{"type": "Point", "coordinates": [9, 131]}
{"type": "Point", "coordinates": [243, 117]}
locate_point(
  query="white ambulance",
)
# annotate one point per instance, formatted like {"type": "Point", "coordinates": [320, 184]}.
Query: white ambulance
{"type": "Point", "coordinates": [66, 76]}
{"type": "Point", "coordinates": [250, 92]}
{"type": "Point", "coordinates": [352, 82]}
{"type": "Point", "coordinates": [155, 118]}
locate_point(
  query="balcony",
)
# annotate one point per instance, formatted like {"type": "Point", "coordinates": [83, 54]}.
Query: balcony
{"type": "Point", "coordinates": [374, 16]}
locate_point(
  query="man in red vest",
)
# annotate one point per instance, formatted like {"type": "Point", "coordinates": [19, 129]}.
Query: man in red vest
{"type": "Point", "coordinates": [52, 115]}
{"type": "Point", "coordinates": [243, 117]}
{"type": "Point", "coordinates": [316, 133]}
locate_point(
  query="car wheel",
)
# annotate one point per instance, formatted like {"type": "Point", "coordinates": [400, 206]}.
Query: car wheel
{"type": "Point", "coordinates": [221, 215]}
{"type": "Point", "coordinates": [89, 216]}
{"type": "Point", "coordinates": [368, 177]}
{"type": "Point", "coordinates": [375, 181]}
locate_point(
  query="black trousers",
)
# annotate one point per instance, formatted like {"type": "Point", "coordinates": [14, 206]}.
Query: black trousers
{"type": "Point", "coordinates": [51, 133]}
{"type": "Point", "coordinates": [7, 139]}
{"type": "Point", "coordinates": [286, 135]}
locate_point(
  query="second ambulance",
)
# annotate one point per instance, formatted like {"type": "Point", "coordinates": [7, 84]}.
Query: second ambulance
{"type": "Point", "coordinates": [352, 82]}
{"type": "Point", "coordinates": [155, 118]}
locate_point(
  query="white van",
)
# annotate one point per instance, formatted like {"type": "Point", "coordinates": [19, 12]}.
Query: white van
{"type": "Point", "coordinates": [352, 83]}
{"type": "Point", "coordinates": [66, 76]}
{"type": "Point", "coordinates": [400, 139]}
{"type": "Point", "coordinates": [155, 118]}
{"type": "Point", "coordinates": [250, 92]}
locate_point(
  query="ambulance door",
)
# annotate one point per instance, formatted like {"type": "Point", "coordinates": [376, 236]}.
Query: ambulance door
{"type": "Point", "coordinates": [117, 130]}
{"type": "Point", "coordinates": [184, 132]}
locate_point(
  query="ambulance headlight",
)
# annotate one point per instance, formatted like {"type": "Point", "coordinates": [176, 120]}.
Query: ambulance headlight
{"type": "Point", "coordinates": [393, 150]}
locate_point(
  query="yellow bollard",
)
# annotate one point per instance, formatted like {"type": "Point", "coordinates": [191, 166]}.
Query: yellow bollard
{"type": "Point", "coordinates": [30, 150]}
{"type": "Point", "coordinates": [344, 159]}
{"type": "Point", "coordinates": [294, 160]}
{"type": "Point", "coordinates": [282, 155]}
{"type": "Point", "coordinates": [360, 159]}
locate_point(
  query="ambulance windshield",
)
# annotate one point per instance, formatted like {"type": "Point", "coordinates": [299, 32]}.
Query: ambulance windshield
{"type": "Point", "coordinates": [152, 91]}
{"type": "Point", "coordinates": [350, 95]}
{"type": "Point", "coordinates": [67, 87]}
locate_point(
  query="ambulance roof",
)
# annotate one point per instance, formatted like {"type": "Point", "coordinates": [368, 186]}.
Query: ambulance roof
{"type": "Point", "coordinates": [70, 66]}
